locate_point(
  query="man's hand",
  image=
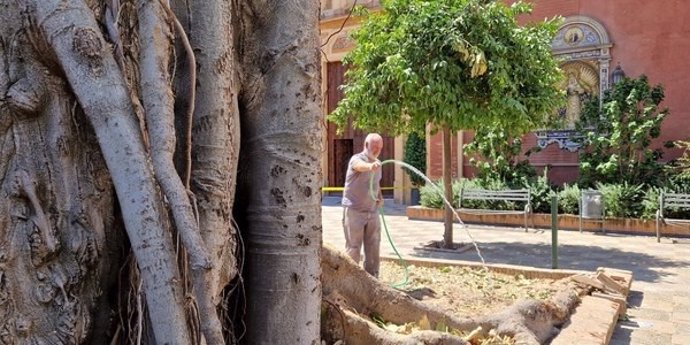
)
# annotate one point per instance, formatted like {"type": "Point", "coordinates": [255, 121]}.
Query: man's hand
{"type": "Point", "coordinates": [379, 203]}
{"type": "Point", "coordinates": [374, 166]}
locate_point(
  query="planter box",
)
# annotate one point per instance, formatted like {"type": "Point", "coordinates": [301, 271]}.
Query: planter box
{"type": "Point", "coordinates": [565, 222]}
{"type": "Point", "coordinates": [592, 322]}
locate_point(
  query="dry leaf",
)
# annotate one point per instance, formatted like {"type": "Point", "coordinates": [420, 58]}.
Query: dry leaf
{"type": "Point", "coordinates": [424, 323]}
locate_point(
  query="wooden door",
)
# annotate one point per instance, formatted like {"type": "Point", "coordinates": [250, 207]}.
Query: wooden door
{"type": "Point", "coordinates": [337, 144]}
{"type": "Point", "coordinates": [342, 152]}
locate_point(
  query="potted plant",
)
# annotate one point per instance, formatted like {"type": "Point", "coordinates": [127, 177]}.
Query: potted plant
{"type": "Point", "coordinates": [415, 155]}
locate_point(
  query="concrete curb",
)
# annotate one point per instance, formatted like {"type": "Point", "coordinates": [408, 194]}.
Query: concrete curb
{"type": "Point", "coordinates": [527, 272]}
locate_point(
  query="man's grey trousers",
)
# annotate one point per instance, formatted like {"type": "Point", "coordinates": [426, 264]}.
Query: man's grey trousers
{"type": "Point", "coordinates": [363, 228]}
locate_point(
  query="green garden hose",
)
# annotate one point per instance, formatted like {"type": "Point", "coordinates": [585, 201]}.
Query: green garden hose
{"type": "Point", "coordinates": [403, 263]}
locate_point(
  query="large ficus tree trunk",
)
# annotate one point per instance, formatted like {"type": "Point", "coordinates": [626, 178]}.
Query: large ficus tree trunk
{"type": "Point", "coordinates": [122, 123]}
{"type": "Point", "coordinates": [280, 170]}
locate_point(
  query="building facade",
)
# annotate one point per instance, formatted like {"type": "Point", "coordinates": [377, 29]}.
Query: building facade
{"type": "Point", "coordinates": [640, 36]}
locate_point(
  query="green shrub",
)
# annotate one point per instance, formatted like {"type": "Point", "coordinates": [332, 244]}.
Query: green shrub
{"type": "Point", "coordinates": [569, 199]}
{"type": "Point", "coordinates": [622, 200]}
{"type": "Point", "coordinates": [495, 184]}
{"type": "Point", "coordinates": [496, 154]}
{"type": "Point", "coordinates": [618, 135]}
{"type": "Point", "coordinates": [415, 155]}
{"type": "Point", "coordinates": [682, 165]}
{"type": "Point", "coordinates": [471, 184]}
{"type": "Point", "coordinates": [677, 184]}
{"type": "Point", "coordinates": [541, 192]}
{"type": "Point", "coordinates": [431, 195]}
{"type": "Point", "coordinates": [650, 203]}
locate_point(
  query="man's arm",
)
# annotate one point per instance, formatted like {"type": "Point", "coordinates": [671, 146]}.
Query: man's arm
{"type": "Point", "coordinates": [361, 166]}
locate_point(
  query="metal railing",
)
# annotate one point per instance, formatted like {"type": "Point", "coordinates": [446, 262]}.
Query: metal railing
{"type": "Point", "coordinates": [521, 195]}
{"type": "Point", "coordinates": [671, 200]}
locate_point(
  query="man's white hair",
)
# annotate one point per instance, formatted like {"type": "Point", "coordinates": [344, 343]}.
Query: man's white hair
{"type": "Point", "coordinates": [372, 137]}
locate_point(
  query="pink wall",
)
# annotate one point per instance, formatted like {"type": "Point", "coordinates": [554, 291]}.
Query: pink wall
{"type": "Point", "coordinates": [649, 37]}
{"type": "Point", "coordinates": [435, 166]}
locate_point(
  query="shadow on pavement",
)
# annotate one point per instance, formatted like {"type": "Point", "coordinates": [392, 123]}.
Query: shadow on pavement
{"type": "Point", "coordinates": [390, 208]}
{"type": "Point", "coordinates": [578, 257]}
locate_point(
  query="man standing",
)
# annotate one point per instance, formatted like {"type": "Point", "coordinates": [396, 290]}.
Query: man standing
{"type": "Point", "coordinates": [360, 217]}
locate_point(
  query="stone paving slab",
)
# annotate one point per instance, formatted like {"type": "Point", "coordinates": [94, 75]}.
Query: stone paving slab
{"type": "Point", "coordinates": [661, 270]}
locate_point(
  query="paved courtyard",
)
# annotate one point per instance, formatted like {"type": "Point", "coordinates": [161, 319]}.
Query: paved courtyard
{"type": "Point", "coordinates": [659, 302]}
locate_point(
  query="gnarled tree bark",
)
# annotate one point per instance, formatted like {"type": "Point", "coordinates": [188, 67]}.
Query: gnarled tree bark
{"type": "Point", "coordinates": [72, 34]}
{"type": "Point", "coordinates": [96, 100]}
{"type": "Point", "coordinates": [59, 236]}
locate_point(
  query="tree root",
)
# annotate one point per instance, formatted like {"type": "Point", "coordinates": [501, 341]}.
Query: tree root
{"type": "Point", "coordinates": [354, 292]}
{"type": "Point", "coordinates": [76, 40]}
{"type": "Point", "coordinates": [191, 102]}
{"type": "Point", "coordinates": [359, 330]}
{"type": "Point", "coordinates": [159, 104]}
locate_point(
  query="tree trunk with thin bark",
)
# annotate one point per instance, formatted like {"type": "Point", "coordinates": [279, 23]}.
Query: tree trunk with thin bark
{"type": "Point", "coordinates": [448, 191]}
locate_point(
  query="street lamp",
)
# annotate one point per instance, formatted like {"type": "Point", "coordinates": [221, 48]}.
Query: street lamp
{"type": "Point", "coordinates": [617, 75]}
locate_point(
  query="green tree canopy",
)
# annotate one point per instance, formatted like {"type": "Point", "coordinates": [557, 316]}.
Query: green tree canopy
{"type": "Point", "coordinates": [457, 64]}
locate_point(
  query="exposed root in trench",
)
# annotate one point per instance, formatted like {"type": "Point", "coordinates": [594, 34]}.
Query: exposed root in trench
{"type": "Point", "coordinates": [350, 295]}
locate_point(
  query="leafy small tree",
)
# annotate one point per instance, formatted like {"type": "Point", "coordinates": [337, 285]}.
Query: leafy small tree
{"type": "Point", "coordinates": [619, 133]}
{"type": "Point", "coordinates": [453, 64]}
